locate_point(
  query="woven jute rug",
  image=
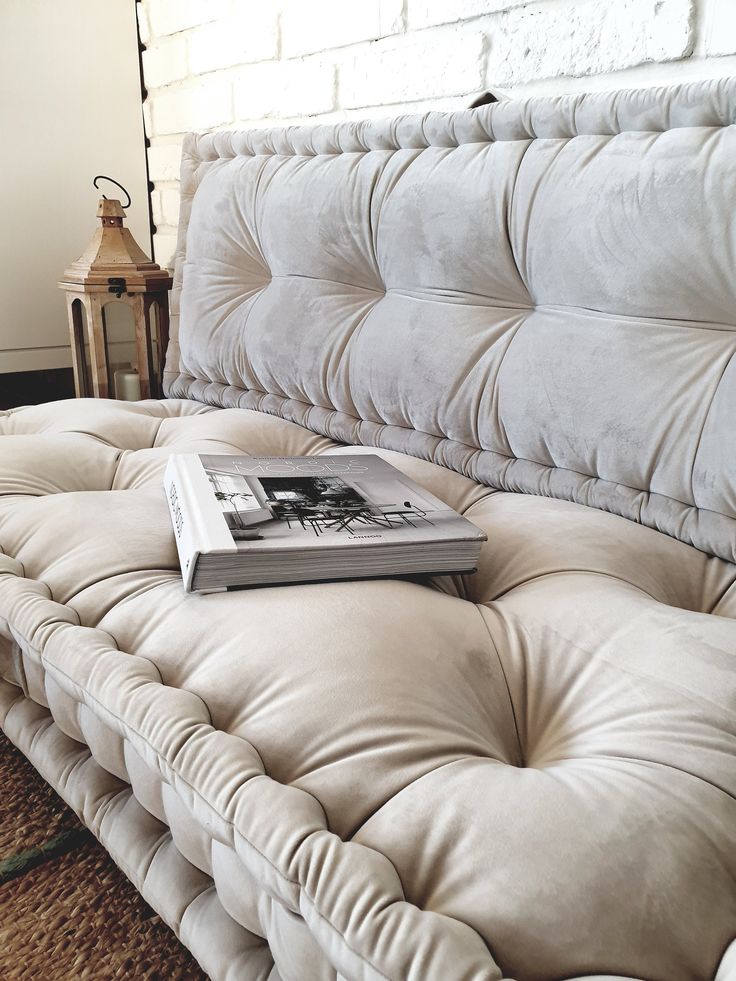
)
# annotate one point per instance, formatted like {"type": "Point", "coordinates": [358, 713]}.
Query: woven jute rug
{"type": "Point", "coordinates": [67, 913]}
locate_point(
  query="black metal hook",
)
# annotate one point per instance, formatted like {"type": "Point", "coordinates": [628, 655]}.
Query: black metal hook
{"type": "Point", "coordinates": [101, 177]}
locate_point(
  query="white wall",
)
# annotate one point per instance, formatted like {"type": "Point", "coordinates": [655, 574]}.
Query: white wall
{"type": "Point", "coordinates": [220, 64]}
{"type": "Point", "coordinates": [69, 109]}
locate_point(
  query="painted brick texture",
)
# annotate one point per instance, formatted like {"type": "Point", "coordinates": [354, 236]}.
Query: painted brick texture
{"type": "Point", "coordinates": [214, 64]}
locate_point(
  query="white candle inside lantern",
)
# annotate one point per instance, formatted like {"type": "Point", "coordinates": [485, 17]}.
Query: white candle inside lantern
{"type": "Point", "coordinates": [127, 385]}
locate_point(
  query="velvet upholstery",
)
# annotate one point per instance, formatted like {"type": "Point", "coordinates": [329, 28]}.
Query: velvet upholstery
{"type": "Point", "coordinates": [538, 294]}
{"type": "Point", "coordinates": [524, 774]}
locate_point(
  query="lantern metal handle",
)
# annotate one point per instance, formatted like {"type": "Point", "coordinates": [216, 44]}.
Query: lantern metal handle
{"type": "Point", "coordinates": [101, 177]}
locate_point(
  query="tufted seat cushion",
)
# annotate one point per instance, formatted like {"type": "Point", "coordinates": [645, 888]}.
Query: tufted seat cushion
{"type": "Point", "coordinates": [526, 773]}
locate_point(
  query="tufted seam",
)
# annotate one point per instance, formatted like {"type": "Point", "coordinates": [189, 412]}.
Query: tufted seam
{"type": "Point", "coordinates": [41, 730]}
{"type": "Point", "coordinates": [158, 430]}
{"type": "Point", "coordinates": [412, 783]}
{"type": "Point", "coordinates": [161, 842]}
{"type": "Point", "coordinates": [244, 326]}
{"type": "Point", "coordinates": [168, 906]}
{"type": "Point", "coordinates": [349, 947]}
{"type": "Point", "coordinates": [516, 121]}
{"type": "Point", "coordinates": [14, 559]}
{"type": "Point", "coordinates": [514, 334]}
{"type": "Point", "coordinates": [731, 586]}
{"type": "Point", "coordinates": [476, 451]}
{"type": "Point", "coordinates": [335, 282]}
{"type": "Point", "coordinates": [646, 113]}
{"type": "Point", "coordinates": [715, 543]}
{"type": "Point", "coordinates": [126, 789]}
{"type": "Point", "coordinates": [305, 894]}
{"type": "Point", "coordinates": [582, 572]}
{"type": "Point", "coordinates": [77, 801]}
{"type": "Point", "coordinates": [658, 764]}
{"type": "Point", "coordinates": [520, 758]}
{"type": "Point", "coordinates": [507, 214]}
{"type": "Point", "coordinates": [616, 665]}
{"type": "Point", "coordinates": [128, 730]}
{"type": "Point", "coordinates": [29, 642]}
{"type": "Point", "coordinates": [55, 670]}
{"type": "Point", "coordinates": [705, 419]}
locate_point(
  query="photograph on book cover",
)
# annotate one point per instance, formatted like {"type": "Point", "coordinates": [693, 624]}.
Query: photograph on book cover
{"type": "Point", "coordinates": [277, 500]}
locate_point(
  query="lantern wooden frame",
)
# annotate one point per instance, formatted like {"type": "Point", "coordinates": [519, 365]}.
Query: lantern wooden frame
{"type": "Point", "coordinates": [113, 266]}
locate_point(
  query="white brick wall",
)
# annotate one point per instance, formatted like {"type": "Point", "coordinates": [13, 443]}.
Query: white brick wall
{"type": "Point", "coordinates": [720, 28]}
{"type": "Point", "coordinates": [284, 88]}
{"type": "Point", "coordinates": [250, 33]}
{"type": "Point", "coordinates": [171, 16]}
{"type": "Point", "coordinates": [213, 64]}
{"type": "Point", "coordinates": [595, 36]}
{"type": "Point", "coordinates": [307, 28]}
{"type": "Point", "coordinates": [204, 103]}
{"type": "Point", "coordinates": [165, 61]}
{"type": "Point", "coordinates": [413, 66]}
{"type": "Point", "coordinates": [428, 13]}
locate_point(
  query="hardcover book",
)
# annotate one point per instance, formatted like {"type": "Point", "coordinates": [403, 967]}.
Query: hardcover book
{"type": "Point", "coordinates": [245, 521]}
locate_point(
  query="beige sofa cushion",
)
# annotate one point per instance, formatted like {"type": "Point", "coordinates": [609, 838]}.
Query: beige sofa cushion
{"type": "Point", "coordinates": [527, 773]}
{"type": "Point", "coordinates": [537, 294]}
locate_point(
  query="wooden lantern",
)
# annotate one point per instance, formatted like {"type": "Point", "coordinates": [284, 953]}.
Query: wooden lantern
{"type": "Point", "coordinates": [113, 264]}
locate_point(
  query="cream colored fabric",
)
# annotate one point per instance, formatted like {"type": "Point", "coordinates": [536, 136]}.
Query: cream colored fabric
{"type": "Point", "coordinates": [524, 774]}
{"type": "Point", "coordinates": [141, 845]}
{"type": "Point", "coordinates": [537, 294]}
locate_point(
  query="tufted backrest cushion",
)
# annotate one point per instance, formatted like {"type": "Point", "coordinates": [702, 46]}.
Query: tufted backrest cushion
{"type": "Point", "coordinates": [538, 294]}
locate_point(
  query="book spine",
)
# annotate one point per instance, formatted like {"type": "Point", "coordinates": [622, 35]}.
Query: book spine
{"type": "Point", "coordinates": [187, 531]}
{"type": "Point", "coordinates": [198, 524]}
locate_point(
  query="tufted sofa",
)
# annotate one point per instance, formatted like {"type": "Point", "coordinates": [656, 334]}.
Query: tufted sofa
{"type": "Point", "coordinates": [527, 773]}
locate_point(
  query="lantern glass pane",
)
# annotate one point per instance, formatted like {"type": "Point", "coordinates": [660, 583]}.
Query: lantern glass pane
{"type": "Point", "coordinates": [81, 346]}
{"type": "Point", "coordinates": [120, 332]}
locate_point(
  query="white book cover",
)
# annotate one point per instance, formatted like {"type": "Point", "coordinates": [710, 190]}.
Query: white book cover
{"type": "Point", "coordinates": [223, 504]}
